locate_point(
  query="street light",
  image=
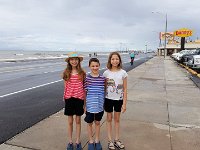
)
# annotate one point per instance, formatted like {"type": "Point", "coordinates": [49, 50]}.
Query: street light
{"type": "Point", "coordinates": [146, 48]}
{"type": "Point", "coordinates": [146, 55]}
{"type": "Point", "coordinates": [165, 50]}
{"type": "Point", "coordinates": [124, 46]}
{"type": "Point", "coordinates": [121, 49]}
{"type": "Point", "coordinates": [165, 43]}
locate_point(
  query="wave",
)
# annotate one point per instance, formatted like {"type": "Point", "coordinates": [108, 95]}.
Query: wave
{"type": "Point", "coordinates": [13, 56]}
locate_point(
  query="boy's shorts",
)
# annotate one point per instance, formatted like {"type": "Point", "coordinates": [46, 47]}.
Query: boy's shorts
{"type": "Point", "coordinates": [109, 104]}
{"type": "Point", "coordinates": [74, 106]}
{"type": "Point", "coordinates": [90, 117]}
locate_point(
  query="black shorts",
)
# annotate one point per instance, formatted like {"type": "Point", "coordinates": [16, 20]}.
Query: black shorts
{"type": "Point", "coordinates": [74, 106]}
{"type": "Point", "coordinates": [109, 104]}
{"type": "Point", "coordinates": [132, 58]}
{"type": "Point", "coordinates": [90, 117]}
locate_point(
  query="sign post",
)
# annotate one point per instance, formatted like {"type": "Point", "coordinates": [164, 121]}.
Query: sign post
{"type": "Point", "coordinates": [183, 32]}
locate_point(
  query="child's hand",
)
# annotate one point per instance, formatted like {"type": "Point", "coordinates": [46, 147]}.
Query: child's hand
{"type": "Point", "coordinates": [123, 108]}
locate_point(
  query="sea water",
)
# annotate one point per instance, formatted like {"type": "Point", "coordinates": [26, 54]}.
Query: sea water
{"type": "Point", "coordinates": [17, 55]}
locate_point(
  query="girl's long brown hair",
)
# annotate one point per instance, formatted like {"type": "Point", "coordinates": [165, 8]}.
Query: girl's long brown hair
{"type": "Point", "coordinates": [109, 65]}
{"type": "Point", "coordinates": [68, 70]}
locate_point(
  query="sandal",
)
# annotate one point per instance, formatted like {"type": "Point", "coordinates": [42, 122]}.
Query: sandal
{"type": "Point", "coordinates": [119, 144]}
{"type": "Point", "coordinates": [111, 145]}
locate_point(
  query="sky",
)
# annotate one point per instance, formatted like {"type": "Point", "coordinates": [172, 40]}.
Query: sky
{"type": "Point", "coordinates": [93, 25]}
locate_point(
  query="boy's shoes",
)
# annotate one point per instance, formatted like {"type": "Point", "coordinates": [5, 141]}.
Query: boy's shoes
{"type": "Point", "coordinates": [98, 146]}
{"type": "Point", "coordinates": [78, 146]}
{"type": "Point", "coordinates": [70, 146]}
{"type": "Point", "coordinates": [91, 146]}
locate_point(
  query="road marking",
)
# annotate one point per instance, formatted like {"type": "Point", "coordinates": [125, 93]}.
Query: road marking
{"type": "Point", "coordinates": [29, 88]}
{"type": "Point", "coordinates": [39, 85]}
{"type": "Point", "coordinates": [21, 68]}
{"type": "Point", "coordinates": [32, 88]}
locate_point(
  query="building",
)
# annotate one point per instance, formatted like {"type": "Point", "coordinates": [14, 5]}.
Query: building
{"type": "Point", "coordinates": [174, 47]}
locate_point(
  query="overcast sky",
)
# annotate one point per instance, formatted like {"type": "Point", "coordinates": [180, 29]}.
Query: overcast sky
{"type": "Point", "coordinates": [92, 25]}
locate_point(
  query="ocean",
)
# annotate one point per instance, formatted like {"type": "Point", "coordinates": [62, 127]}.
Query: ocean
{"type": "Point", "coordinates": [19, 55]}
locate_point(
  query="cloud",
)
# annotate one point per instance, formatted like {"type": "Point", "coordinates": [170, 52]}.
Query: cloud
{"type": "Point", "coordinates": [91, 25]}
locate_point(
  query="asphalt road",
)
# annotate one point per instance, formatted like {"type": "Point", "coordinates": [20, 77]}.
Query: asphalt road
{"type": "Point", "coordinates": [195, 79]}
{"type": "Point", "coordinates": [30, 91]}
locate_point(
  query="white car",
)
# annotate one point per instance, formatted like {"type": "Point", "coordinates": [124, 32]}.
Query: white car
{"type": "Point", "coordinates": [181, 53]}
{"type": "Point", "coordinates": [177, 56]}
{"type": "Point", "coordinates": [174, 55]}
{"type": "Point", "coordinates": [194, 62]}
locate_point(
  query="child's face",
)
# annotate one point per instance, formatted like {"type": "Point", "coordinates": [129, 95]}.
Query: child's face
{"type": "Point", "coordinates": [94, 66]}
{"type": "Point", "coordinates": [115, 61]}
{"type": "Point", "coordinates": [74, 61]}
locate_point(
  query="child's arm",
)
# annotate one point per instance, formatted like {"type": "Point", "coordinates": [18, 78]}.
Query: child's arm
{"type": "Point", "coordinates": [85, 93]}
{"type": "Point", "coordinates": [124, 95]}
{"type": "Point", "coordinates": [105, 86]}
{"type": "Point", "coordinates": [64, 90]}
{"type": "Point", "coordinates": [84, 106]}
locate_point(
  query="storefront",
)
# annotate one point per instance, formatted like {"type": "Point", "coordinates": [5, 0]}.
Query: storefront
{"type": "Point", "coordinates": [175, 40]}
{"type": "Point", "coordinates": [174, 48]}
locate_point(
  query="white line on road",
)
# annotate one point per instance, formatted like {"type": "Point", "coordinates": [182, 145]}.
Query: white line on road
{"type": "Point", "coordinates": [36, 86]}
{"type": "Point", "coordinates": [29, 88]}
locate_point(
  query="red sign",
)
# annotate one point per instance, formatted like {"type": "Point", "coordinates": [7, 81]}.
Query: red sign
{"type": "Point", "coordinates": [184, 32]}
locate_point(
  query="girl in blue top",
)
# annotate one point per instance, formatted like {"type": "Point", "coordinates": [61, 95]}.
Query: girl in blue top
{"type": "Point", "coordinates": [95, 95]}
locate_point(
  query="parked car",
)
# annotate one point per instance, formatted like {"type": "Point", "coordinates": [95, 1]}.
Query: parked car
{"type": "Point", "coordinates": [177, 56]}
{"type": "Point", "coordinates": [194, 62]}
{"type": "Point", "coordinates": [174, 55]}
{"type": "Point", "coordinates": [185, 58]}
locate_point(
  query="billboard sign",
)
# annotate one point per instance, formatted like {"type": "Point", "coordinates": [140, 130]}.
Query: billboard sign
{"type": "Point", "coordinates": [183, 32]}
{"type": "Point", "coordinates": [169, 35]}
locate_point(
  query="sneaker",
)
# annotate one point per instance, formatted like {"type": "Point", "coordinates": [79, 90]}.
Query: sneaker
{"type": "Point", "coordinates": [91, 146]}
{"type": "Point", "coordinates": [78, 146]}
{"type": "Point", "coordinates": [70, 146]}
{"type": "Point", "coordinates": [98, 146]}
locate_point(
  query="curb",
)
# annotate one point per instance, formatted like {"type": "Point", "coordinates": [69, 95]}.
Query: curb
{"type": "Point", "coordinates": [190, 70]}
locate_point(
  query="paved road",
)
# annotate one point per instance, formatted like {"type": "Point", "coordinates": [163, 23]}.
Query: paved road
{"type": "Point", "coordinates": [31, 91]}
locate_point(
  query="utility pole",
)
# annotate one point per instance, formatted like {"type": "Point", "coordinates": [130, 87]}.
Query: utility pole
{"type": "Point", "coordinates": [165, 50]}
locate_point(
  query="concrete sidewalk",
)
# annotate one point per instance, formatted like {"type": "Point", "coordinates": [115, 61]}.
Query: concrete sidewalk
{"type": "Point", "coordinates": [163, 113]}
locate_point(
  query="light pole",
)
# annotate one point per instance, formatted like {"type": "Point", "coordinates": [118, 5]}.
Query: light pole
{"type": "Point", "coordinates": [165, 40]}
{"type": "Point", "coordinates": [165, 50]}
{"type": "Point", "coordinates": [146, 48]}
{"type": "Point", "coordinates": [146, 54]}
{"type": "Point", "coordinates": [125, 46]}
{"type": "Point", "coordinates": [120, 47]}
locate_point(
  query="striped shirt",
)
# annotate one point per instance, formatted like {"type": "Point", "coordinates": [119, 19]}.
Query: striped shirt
{"type": "Point", "coordinates": [95, 89]}
{"type": "Point", "coordinates": [74, 88]}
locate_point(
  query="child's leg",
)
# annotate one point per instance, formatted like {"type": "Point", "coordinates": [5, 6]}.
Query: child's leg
{"type": "Point", "coordinates": [97, 131]}
{"type": "Point", "coordinates": [109, 125]}
{"type": "Point", "coordinates": [117, 124]}
{"type": "Point", "coordinates": [117, 142]}
{"type": "Point", "coordinates": [90, 132]}
{"type": "Point", "coordinates": [70, 128]}
{"type": "Point", "coordinates": [78, 129]}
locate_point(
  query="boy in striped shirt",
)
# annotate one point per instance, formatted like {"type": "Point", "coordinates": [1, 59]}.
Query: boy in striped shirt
{"type": "Point", "coordinates": [95, 94]}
